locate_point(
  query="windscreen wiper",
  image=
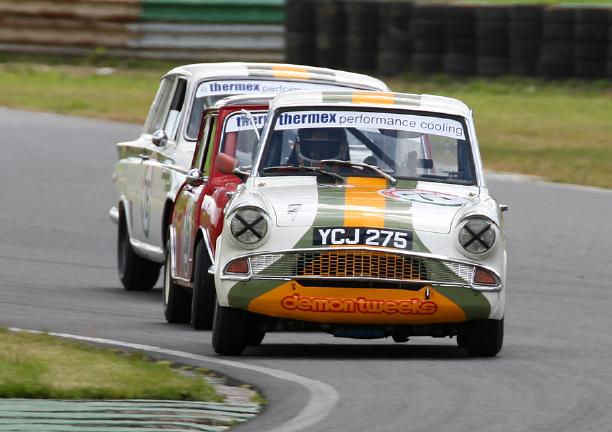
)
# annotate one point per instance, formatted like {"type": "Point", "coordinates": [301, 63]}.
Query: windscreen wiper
{"type": "Point", "coordinates": [304, 168]}
{"type": "Point", "coordinates": [374, 168]}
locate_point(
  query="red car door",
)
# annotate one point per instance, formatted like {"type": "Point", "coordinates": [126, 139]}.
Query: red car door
{"type": "Point", "coordinates": [185, 218]}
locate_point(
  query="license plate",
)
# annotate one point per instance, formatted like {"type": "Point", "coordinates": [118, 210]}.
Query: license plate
{"type": "Point", "coordinates": [333, 236]}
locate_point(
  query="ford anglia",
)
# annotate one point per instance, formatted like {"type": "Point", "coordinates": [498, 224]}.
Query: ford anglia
{"type": "Point", "coordinates": [363, 215]}
{"type": "Point", "coordinates": [151, 168]}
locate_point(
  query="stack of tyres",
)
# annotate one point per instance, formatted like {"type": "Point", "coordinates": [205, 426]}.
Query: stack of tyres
{"type": "Point", "coordinates": [492, 28]}
{"type": "Point", "coordinates": [429, 38]}
{"type": "Point", "coordinates": [361, 34]}
{"type": "Point", "coordinates": [461, 43]}
{"type": "Point", "coordinates": [300, 32]}
{"type": "Point", "coordinates": [330, 24]}
{"type": "Point", "coordinates": [590, 42]}
{"type": "Point", "coordinates": [557, 53]}
{"type": "Point", "coordinates": [525, 34]}
{"type": "Point", "coordinates": [394, 37]}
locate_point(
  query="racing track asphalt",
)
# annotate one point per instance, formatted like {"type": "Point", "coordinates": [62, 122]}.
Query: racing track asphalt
{"type": "Point", "coordinates": [57, 273]}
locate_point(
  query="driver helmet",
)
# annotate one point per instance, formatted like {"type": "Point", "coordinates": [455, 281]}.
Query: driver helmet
{"type": "Point", "coordinates": [316, 144]}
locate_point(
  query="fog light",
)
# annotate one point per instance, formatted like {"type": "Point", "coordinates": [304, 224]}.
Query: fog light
{"type": "Point", "coordinates": [485, 277]}
{"type": "Point", "coordinates": [239, 266]}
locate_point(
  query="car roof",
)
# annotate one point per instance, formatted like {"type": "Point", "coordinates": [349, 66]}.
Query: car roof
{"type": "Point", "coordinates": [283, 71]}
{"type": "Point", "coordinates": [374, 99]}
{"type": "Point", "coordinates": [248, 99]}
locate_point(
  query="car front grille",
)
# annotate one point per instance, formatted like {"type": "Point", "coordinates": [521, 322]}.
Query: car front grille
{"type": "Point", "coordinates": [360, 263]}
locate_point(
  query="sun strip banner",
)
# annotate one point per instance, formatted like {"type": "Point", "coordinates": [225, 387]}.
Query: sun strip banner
{"type": "Point", "coordinates": [371, 120]}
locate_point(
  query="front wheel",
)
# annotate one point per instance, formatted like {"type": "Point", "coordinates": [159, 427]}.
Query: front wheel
{"type": "Point", "coordinates": [482, 338]}
{"type": "Point", "coordinates": [230, 330]}
{"type": "Point", "coordinates": [204, 295]}
{"type": "Point", "coordinates": [177, 301]}
{"type": "Point", "coordinates": [136, 273]}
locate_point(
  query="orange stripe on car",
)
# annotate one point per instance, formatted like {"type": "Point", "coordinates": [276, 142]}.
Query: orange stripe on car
{"type": "Point", "coordinates": [295, 72]}
{"type": "Point", "coordinates": [385, 98]}
{"type": "Point", "coordinates": [364, 207]}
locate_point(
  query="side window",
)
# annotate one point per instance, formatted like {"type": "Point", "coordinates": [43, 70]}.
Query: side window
{"type": "Point", "coordinates": [199, 156]}
{"type": "Point", "coordinates": [203, 157]}
{"type": "Point", "coordinates": [157, 115]}
{"type": "Point", "coordinates": [176, 106]}
{"type": "Point", "coordinates": [210, 144]}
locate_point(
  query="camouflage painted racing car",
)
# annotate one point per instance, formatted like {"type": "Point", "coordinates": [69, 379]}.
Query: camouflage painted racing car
{"type": "Point", "coordinates": [365, 215]}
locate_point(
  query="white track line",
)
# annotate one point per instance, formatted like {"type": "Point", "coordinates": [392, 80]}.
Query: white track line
{"type": "Point", "coordinates": [323, 397]}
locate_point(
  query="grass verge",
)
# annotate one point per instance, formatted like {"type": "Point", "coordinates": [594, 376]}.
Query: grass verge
{"type": "Point", "coordinates": [41, 366]}
{"type": "Point", "coordinates": [558, 130]}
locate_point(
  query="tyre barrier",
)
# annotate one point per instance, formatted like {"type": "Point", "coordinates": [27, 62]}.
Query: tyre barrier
{"type": "Point", "coordinates": [397, 36]}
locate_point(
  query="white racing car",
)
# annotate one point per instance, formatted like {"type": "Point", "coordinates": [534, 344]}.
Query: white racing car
{"type": "Point", "coordinates": [151, 168]}
{"type": "Point", "coordinates": [366, 215]}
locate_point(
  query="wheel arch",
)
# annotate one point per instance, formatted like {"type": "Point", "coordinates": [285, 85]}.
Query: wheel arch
{"type": "Point", "coordinates": [166, 221]}
{"type": "Point", "coordinates": [202, 235]}
{"type": "Point", "coordinates": [123, 208]}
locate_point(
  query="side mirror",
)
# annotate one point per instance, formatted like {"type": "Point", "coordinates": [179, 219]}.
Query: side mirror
{"type": "Point", "coordinates": [229, 165]}
{"type": "Point", "coordinates": [194, 177]}
{"type": "Point", "coordinates": [504, 207]}
{"type": "Point", "coordinates": [159, 138]}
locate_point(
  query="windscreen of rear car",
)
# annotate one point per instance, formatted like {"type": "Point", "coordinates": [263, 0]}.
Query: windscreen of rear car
{"type": "Point", "coordinates": [209, 92]}
{"type": "Point", "coordinates": [239, 139]}
{"type": "Point", "coordinates": [407, 145]}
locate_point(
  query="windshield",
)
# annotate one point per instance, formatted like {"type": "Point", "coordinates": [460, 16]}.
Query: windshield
{"type": "Point", "coordinates": [239, 139]}
{"type": "Point", "coordinates": [209, 92]}
{"type": "Point", "coordinates": [431, 147]}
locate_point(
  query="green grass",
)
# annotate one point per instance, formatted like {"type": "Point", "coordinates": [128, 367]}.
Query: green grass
{"type": "Point", "coordinates": [40, 366]}
{"type": "Point", "coordinates": [559, 130]}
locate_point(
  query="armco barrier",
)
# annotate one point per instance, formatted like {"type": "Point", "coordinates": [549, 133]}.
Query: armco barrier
{"type": "Point", "coordinates": [457, 39]}
{"type": "Point", "coordinates": [189, 30]}
{"type": "Point", "coordinates": [217, 11]}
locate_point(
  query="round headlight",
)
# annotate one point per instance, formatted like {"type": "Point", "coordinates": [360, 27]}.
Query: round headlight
{"type": "Point", "coordinates": [249, 225]}
{"type": "Point", "coordinates": [477, 235]}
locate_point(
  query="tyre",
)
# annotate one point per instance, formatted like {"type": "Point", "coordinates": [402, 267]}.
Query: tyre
{"type": "Point", "coordinates": [390, 63]}
{"type": "Point", "coordinates": [424, 11]}
{"type": "Point", "coordinates": [493, 30]}
{"type": "Point", "coordinates": [428, 63]}
{"type": "Point", "coordinates": [395, 42]}
{"type": "Point", "coordinates": [176, 300]}
{"type": "Point", "coordinates": [493, 47]}
{"type": "Point", "coordinates": [459, 64]}
{"type": "Point", "coordinates": [136, 273]}
{"type": "Point", "coordinates": [555, 68]}
{"type": "Point", "coordinates": [590, 50]}
{"type": "Point", "coordinates": [558, 31]}
{"type": "Point", "coordinates": [493, 13]}
{"type": "Point", "coordinates": [230, 330]}
{"type": "Point", "coordinates": [492, 66]}
{"type": "Point", "coordinates": [525, 29]}
{"type": "Point", "coordinates": [427, 28]}
{"type": "Point", "coordinates": [590, 68]}
{"type": "Point", "coordinates": [524, 48]}
{"type": "Point", "coordinates": [300, 16]}
{"type": "Point", "coordinates": [591, 32]}
{"type": "Point", "coordinates": [460, 29]}
{"type": "Point", "coordinates": [204, 294]}
{"type": "Point", "coordinates": [429, 46]}
{"type": "Point", "coordinates": [524, 13]}
{"type": "Point", "coordinates": [527, 66]}
{"type": "Point", "coordinates": [557, 49]}
{"type": "Point", "coordinates": [462, 46]}
{"type": "Point", "coordinates": [483, 338]}
{"type": "Point", "coordinates": [394, 16]}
